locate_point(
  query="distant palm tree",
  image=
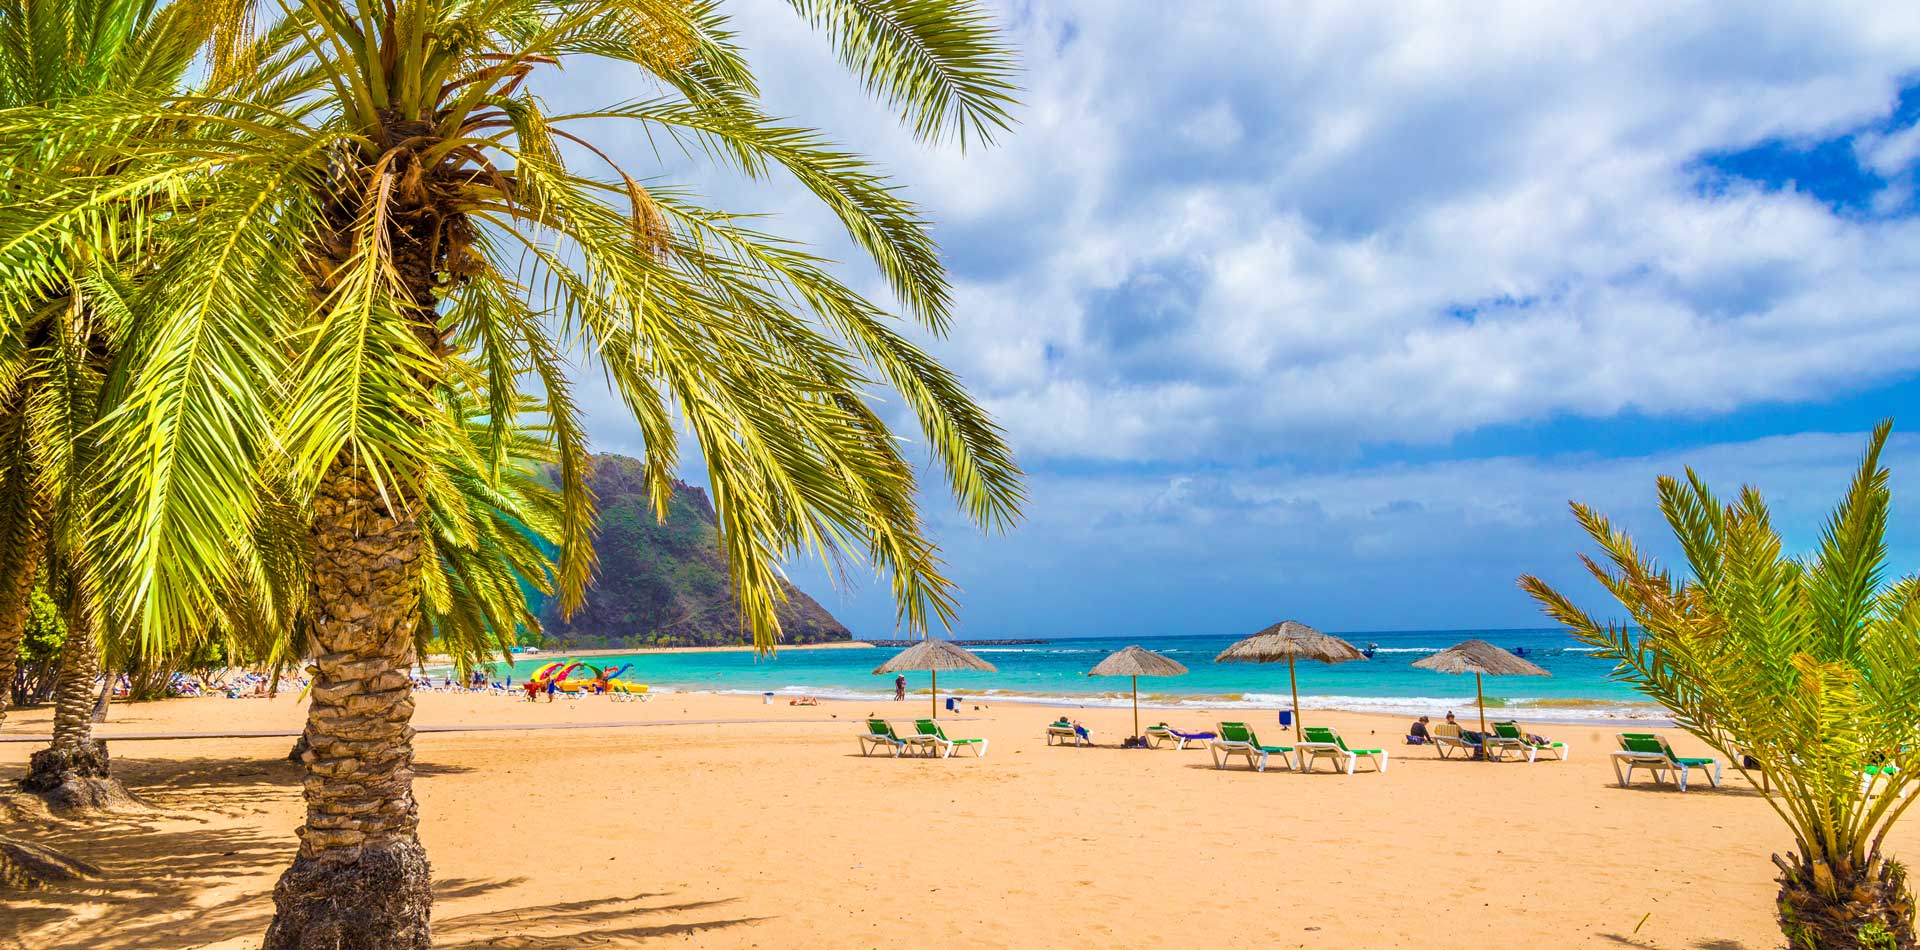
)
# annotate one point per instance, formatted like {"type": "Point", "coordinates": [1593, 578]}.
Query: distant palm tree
{"type": "Point", "coordinates": [371, 207]}
{"type": "Point", "coordinates": [1803, 672]}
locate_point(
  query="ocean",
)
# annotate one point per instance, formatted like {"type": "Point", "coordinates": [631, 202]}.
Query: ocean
{"type": "Point", "coordinates": [1581, 686]}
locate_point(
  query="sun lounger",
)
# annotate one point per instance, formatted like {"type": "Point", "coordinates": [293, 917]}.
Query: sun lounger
{"type": "Point", "coordinates": [880, 734]}
{"type": "Point", "coordinates": [1165, 733]}
{"type": "Point", "coordinates": [1449, 738]}
{"type": "Point", "coordinates": [1237, 738]}
{"type": "Point", "coordinates": [1066, 733]}
{"type": "Point", "coordinates": [1646, 750]}
{"type": "Point", "coordinates": [1325, 742]}
{"type": "Point", "coordinates": [1508, 737]}
{"type": "Point", "coordinates": [929, 729]}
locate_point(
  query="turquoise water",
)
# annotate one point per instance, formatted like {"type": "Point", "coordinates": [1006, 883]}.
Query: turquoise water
{"type": "Point", "coordinates": [1580, 686]}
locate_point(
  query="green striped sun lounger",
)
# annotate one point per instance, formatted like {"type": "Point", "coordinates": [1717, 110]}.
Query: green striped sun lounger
{"type": "Point", "coordinates": [927, 728]}
{"type": "Point", "coordinates": [1324, 742]}
{"type": "Point", "coordinates": [880, 734]}
{"type": "Point", "coordinates": [1646, 750]}
{"type": "Point", "coordinates": [1508, 737]}
{"type": "Point", "coordinates": [1237, 738]}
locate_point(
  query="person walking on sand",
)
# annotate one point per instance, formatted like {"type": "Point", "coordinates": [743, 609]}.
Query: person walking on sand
{"type": "Point", "coordinates": [900, 688]}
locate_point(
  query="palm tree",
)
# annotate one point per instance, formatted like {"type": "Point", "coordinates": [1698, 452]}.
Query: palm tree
{"type": "Point", "coordinates": [68, 306]}
{"type": "Point", "coordinates": [1803, 672]}
{"type": "Point", "coordinates": [365, 210]}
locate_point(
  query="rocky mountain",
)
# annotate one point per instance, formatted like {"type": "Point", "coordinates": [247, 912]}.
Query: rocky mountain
{"type": "Point", "coordinates": [666, 583]}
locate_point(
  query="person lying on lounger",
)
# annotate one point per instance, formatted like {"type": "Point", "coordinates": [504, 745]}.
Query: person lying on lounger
{"type": "Point", "coordinates": [1078, 729]}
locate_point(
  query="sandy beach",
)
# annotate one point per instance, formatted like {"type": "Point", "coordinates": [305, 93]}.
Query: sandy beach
{"type": "Point", "coordinates": [774, 832]}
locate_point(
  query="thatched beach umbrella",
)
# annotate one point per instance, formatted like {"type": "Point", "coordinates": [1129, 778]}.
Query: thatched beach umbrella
{"type": "Point", "coordinates": [1290, 640]}
{"type": "Point", "coordinates": [1479, 657]}
{"type": "Point", "coordinates": [1136, 662]}
{"type": "Point", "coordinates": [933, 656]}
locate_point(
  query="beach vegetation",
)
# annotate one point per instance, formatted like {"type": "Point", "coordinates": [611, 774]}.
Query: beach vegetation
{"type": "Point", "coordinates": [1803, 671]}
{"type": "Point", "coordinates": [37, 655]}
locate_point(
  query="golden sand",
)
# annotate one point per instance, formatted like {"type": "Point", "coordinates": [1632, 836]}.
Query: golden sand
{"type": "Point", "coordinates": [779, 834]}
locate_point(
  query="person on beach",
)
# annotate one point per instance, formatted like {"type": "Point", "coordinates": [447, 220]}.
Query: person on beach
{"type": "Point", "coordinates": [900, 688]}
{"type": "Point", "coordinates": [1417, 735]}
{"type": "Point", "coordinates": [553, 686]}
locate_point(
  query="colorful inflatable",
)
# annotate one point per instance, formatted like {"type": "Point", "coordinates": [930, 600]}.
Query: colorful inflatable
{"type": "Point", "coordinates": [554, 673]}
{"type": "Point", "coordinates": [603, 681]}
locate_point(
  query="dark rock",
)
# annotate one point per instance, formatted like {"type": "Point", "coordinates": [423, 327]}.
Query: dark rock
{"type": "Point", "coordinates": [666, 583]}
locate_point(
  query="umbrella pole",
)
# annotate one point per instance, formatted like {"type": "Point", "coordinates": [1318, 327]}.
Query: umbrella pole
{"type": "Point", "coordinates": [1480, 699]}
{"type": "Point", "coordinates": [1136, 706]}
{"type": "Point", "coordinates": [935, 689]}
{"type": "Point", "coordinates": [1295, 684]}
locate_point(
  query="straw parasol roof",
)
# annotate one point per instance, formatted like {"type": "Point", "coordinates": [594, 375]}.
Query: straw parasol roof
{"type": "Point", "coordinates": [934, 655]}
{"type": "Point", "coordinates": [1479, 656]}
{"type": "Point", "coordinates": [1290, 640]}
{"type": "Point", "coordinates": [1134, 661]}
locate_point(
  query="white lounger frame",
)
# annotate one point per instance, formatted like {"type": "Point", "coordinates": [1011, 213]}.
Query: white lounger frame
{"type": "Point", "coordinates": [1222, 750]}
{"type": "Point", "coordinates": [1311, 752]}
{"type": "Point", "coordinates": [1065, 735]}
{"type": "Point", "coordinates": [1157, 735]}
{"type": "Point", "coordinates": [979, 748]}
{"type": "Point", "coordinates": [1659, 765]}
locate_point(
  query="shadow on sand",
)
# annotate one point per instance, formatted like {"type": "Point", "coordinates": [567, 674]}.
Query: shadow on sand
{"type": "Point", "coordinates": [155, 864]}
{"type": "Point", "coordinates": [175, 877]}
{"type": "Point", "coordinates": [1626, 940]}
{"type": "Point", "coordinates": [608, 921]}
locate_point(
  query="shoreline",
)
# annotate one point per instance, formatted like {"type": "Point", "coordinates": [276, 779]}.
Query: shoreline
{"type": "Point", "coordinates": [1651, 717]}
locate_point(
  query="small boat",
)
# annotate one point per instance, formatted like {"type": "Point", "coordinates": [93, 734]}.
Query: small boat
{"type": "Point", "coordinates": [1518, 651]}
{"type": "Point", "coordinates": [1369, 651]}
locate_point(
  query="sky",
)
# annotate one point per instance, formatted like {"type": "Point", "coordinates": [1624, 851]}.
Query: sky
{"type": "Point", "coordinates": [1325, 312]}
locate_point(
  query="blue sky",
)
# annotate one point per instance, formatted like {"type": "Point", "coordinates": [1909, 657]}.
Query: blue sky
{"type": "Point", "coordinates": [1326, 312]}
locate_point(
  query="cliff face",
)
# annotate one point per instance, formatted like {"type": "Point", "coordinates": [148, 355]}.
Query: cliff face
{"type": "Point", "coordinates": [665, 583]}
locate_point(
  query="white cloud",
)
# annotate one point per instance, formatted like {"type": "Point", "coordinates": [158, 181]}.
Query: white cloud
{"type": "Point", "coordinates": [1231, 231]}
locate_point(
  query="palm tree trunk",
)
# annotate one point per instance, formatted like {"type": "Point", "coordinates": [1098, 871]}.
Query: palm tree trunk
{"type": "Point", "coordinates": [1828, 905]}
{"type": "Point", "coordinates": [16, 597]}
{"type": "Point", "coordinates": [361, 878]}
{"type": "Point", "coordinates": [72, 773]}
